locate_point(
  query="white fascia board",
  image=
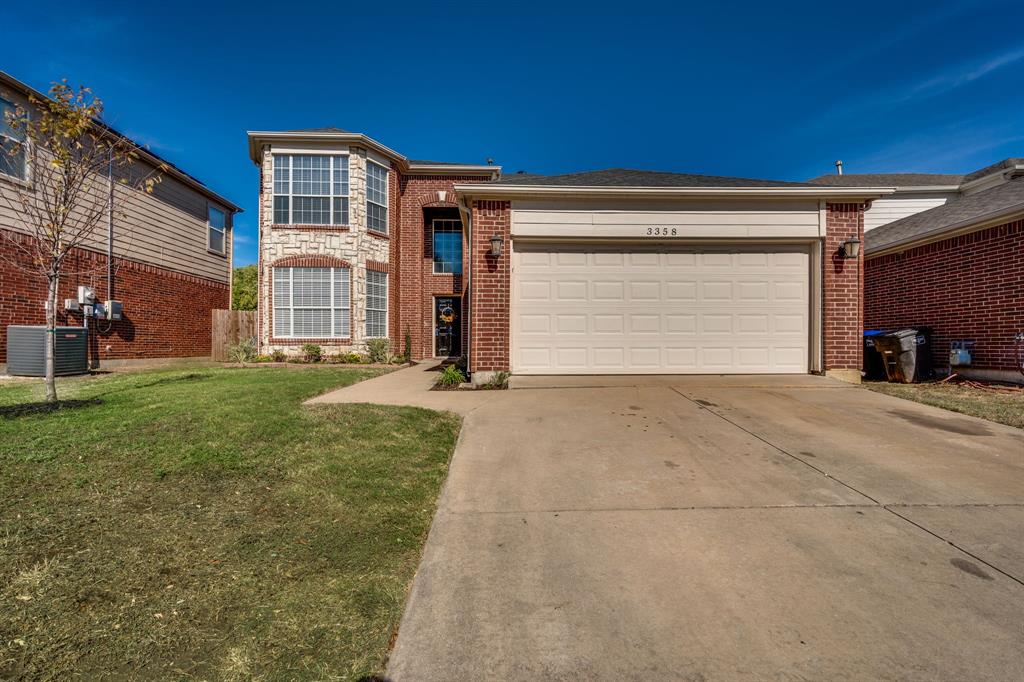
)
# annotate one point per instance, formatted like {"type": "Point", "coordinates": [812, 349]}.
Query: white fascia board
{"type": "Point", "coordinates": [257, 137]}
{"type": "Point", "coordinates": [929, 188]}
{"type": "Point", "coordinates": [514, 191]}
{"type": "Point", "coordinates": [452, 169]}
{"type": "Point", "coordinates": [1004, 172]}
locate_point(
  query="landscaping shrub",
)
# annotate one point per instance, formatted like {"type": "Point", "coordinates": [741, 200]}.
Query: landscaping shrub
{"type": "Point", "coordinates": [278, 356]}
{"type": "Point", "coordinates": [379, 351]}
{"type": "Point", "coordinates": [354, 358]}
{"type": "Point", "coordinates": [451, 376]}
{"type": "Point", "coordinates": [243, 351]}
{"type": "Point", "coordinates": [498, 383]}
{"type": "Point", "coordinates": [408, 346]}
{"type": "Point", "coordinates": [261, 358]}
{"type": "Point", "coordinates": [311, 352]}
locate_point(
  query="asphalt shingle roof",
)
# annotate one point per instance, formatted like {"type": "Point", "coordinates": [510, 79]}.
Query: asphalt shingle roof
{"type": "Point", "coordinates": [328, 129]}
{"type": "Point", "coordinates": [624, 177]}
{"type": "Point", "coordinates": [993, 202]}
{"type": "Point", "coordinates": [887, 179]}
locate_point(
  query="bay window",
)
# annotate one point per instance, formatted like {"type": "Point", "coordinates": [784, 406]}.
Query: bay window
{"type": "Point", "coordinates": [312, 303]}
{"type": "Point", "coordinates": [376, 197]}
{"type": "Point", "coordinates": [310, 189]}
{"type": "Point", "coordinates": [376, 304]}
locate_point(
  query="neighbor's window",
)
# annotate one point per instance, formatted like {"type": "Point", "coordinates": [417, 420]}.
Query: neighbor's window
{"type": "Point", "coordinates": [310, 189]}
{"type": "Point", "coordinates": [376, 197]}
{"type": "Point", "coordinates": [311, 303]}
{"type": "Point", "coordinates": [376, 304]}
{"type": "Point", "coordinates": [11, 163]}
{"type": "Point", "coordinates": [216, 226]}
{"type": "Point", "coordinates": [447, 246]}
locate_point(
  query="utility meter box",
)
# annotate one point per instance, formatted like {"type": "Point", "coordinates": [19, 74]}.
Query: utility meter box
{"type": "Point", "coordinates": [86, 295]}
{"type": "Point", "coordinates": [958, 357]}
{"type": "Point", "coordinates": [113, 309]}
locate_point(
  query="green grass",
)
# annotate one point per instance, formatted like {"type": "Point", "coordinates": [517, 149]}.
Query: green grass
{"type": "Point", "coordinates": [1004, 407]}
{"type": "Point", "coordinates": [202, 524]}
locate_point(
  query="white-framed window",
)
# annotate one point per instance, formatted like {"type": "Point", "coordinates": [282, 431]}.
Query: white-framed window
{"type": "Point", "coordinates": [376, 197]}
{"type": "Point", "coordinates": [312, 303]}
{"type": "Point", "coordinates": [447, 243]}
{"type": "Point", "coordinates": [216, 227]}
{"type": "Point", "coordinates": [310, 189]}
{"type": "Point", "coordinates": [376, 304]}
{"type": "Point", "coordinates": [11, 163]}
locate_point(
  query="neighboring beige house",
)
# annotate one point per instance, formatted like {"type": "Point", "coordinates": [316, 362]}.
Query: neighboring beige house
{"type": "Point", "coordinates": [171, 258]}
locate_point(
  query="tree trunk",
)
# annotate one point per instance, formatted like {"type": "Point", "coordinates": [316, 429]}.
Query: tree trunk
{"type": "Point", "coordinates": [51, 336]}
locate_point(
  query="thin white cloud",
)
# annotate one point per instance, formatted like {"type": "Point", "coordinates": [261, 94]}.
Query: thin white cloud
{"type": "Point", "coordinates": [964, 74]}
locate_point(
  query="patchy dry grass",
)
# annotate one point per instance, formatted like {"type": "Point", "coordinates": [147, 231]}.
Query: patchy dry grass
{"type": "Point", "coordinates": [202, 524]}
{"type": "Point", "coordinates": [1004, 407]}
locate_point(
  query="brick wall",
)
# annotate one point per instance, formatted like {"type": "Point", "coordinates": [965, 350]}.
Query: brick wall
{"type": "Point", "coordinates": [965, 287]}
{"type": "Point", "coordinates": [491, 287]}
{"type": "Point", "coordinates": [419, 285]}
{"type": "Point", "coordinates": [844, 310]}
{"type": "Point", "coordinates": [166, 314]}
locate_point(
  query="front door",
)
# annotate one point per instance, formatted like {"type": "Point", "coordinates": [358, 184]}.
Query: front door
{"type": "Point", "coordinates": [448, 326]}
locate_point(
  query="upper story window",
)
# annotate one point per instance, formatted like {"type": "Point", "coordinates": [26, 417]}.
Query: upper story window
{"type": "Point", "coordinates": [376, 197]}
{"type": "Point", "coordinates": [11, 163]}
{"type": "Point", "coordinates": [310, 189]}
{"type": "Point", "coordinates": [216, 224]}
{"type": "Point", "coordinates": [312, 303]}
{"type": "Point", "coordinates": [447, 246]}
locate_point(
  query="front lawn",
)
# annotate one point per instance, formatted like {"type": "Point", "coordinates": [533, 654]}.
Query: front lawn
{"type": "Point", "coordinates": [1005, 407]}
{"type": "Point", "coordinates": [202, 524]}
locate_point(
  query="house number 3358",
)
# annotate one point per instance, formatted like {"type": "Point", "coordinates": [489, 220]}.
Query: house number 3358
{"type": "Point", "coordinates": [661, 231]}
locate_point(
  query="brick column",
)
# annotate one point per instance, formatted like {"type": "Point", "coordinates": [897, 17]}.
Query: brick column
{"type": "Point", "coordinates": [843, 279]}
{"type": "Point", "coordinates": [490, 290]}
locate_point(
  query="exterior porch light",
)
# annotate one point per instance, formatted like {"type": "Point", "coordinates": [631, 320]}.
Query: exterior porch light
{"type": "Point", "coordinates": [850, 248]}
{"type": "Point", "coordinates": [497, 242]}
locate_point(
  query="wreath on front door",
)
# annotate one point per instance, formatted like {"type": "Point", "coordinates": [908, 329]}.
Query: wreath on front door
{"type": "Point", "coordinates": [447, 315]}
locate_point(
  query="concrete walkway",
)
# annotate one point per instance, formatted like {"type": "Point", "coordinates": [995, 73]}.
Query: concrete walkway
{"type": "Point", "coordinates": [705, 528]}
{"type": "Point", "coordinates": [410, 386]}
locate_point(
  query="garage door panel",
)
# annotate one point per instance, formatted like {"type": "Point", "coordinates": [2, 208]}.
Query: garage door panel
{"type": "Point", "coordinates": [586, 310]}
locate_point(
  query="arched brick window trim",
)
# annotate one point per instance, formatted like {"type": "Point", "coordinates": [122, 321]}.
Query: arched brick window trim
{"type": "Point", "coordinates": [377, 266]}
{"type": "Point", "coordinates": [439, 199]}
{"type": "Point", "coordinates": [310, 262]}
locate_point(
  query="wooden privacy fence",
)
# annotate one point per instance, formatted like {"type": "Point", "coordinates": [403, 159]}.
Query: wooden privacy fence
{"type": "Point", "coordinates": [230, 327]}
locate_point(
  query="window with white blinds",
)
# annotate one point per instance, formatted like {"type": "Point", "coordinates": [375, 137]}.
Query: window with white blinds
{"type": "Point", "coordinates": [310, 189]}
{"type": "Point", "coordinates": [376, 197]}
{"type": "Point", "coordinates": [312, 303]}
{"type": "Point", "coordinates": [376, 304]}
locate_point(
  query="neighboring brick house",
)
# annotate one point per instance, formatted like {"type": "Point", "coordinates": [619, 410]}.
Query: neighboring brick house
{"type": "Point", "coordinates": [606, 272]}
{"type": "Point", "coordinates": [955, 266]}
{"type": "Point", "coordinates": [171, 264]}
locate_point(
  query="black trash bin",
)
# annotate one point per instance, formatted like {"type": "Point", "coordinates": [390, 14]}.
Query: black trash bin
{"type": "Point", "coordinates": [874, 368]}
{"type": "Point", "coordinates": [905, 354]}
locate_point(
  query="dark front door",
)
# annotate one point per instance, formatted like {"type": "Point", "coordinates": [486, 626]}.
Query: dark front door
{"type": "Point", "coordinates": [448, 325]}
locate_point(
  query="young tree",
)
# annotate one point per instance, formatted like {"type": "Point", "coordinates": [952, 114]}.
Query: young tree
{"type": "Point", "coordinates": [80, 175]}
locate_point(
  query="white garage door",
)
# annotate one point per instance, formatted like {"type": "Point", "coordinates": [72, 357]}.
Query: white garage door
{"type": "Point", "coordinates": [603, 310]}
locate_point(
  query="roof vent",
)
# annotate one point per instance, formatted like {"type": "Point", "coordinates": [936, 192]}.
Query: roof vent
{"type": "Point", "coordinates": [839, 166]}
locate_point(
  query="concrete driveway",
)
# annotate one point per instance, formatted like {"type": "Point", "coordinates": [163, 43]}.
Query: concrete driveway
{"type": "Point", "coordinates": [723, 528]}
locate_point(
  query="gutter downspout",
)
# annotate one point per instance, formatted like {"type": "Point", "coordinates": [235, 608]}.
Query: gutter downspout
{"type": "Point", "coordinates": [467, 215]}
{"type": "Point", "coordinates": [110, 225]}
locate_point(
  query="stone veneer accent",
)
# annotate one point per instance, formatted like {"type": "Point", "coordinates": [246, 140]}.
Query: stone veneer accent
{"type": "Point", "coordinates": [355, 245]}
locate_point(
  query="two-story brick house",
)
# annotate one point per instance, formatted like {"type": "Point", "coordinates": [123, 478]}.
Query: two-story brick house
{"type": "Point", "coordinates": [605, 272]}
{"type": "Point", "coordinates": [166, 255]}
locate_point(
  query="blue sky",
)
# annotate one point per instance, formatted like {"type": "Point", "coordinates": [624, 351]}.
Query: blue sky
{"type": "Point", "coordinates": [777, 90]}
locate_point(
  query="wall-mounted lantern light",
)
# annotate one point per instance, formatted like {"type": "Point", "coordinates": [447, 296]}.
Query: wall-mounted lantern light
{"type": "Point", "coordinates": [850, 249]}
{"type": "Point", "coordinates": [496, 245]}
